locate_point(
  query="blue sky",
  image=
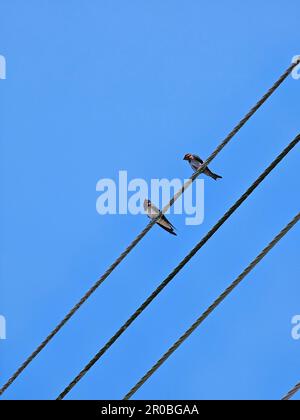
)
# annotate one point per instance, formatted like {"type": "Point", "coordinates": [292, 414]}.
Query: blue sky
{"type": "Point", "coordinates": [97, 87]}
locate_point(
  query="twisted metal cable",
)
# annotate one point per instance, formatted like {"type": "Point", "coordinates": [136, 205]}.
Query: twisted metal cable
{"type": "Point", "coordinates": [179, 267]}
{"type": "Point", "coordinates": [291, 393]}
{"type": "Point", "coordinates": [216, 303]}
{"type": "Point", "coordinates": [133, 244]}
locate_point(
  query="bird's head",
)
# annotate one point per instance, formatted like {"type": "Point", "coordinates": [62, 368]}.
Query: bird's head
{"type": "Point", "coordinates": [188, 157]}
{"type": "Point", "coordinates": [147, 204]}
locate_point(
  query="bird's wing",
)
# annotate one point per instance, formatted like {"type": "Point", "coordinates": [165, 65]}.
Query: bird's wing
{"type": "Point", "coordinates": [154, 210]}
{"type": "Point", "coordinates": [163, 221]}
{"type": "Point", "coordinates": [166, 221]}
{"type": "Point", "coordinates": [169, 228]}
{"type": "Point", "coordinates": [198, 158]}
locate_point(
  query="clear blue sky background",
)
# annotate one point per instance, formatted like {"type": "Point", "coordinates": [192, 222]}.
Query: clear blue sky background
{"type": "Point", "coordinates": [93, 86]}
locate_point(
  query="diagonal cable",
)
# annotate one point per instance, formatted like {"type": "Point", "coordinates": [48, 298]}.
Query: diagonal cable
{"type": "Point", "coordinates": [133, 244]}
{"type": "Point", "coordinates": [180, 266]}
{"type": "Point", "coordinates": [292, 393]}
{"type": "Point", "coordinates": [216, 303]}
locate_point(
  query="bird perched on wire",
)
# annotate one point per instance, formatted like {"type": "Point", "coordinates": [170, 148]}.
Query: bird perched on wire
{"type": "Point", "coordinates": [152, 212]}
{"type": "Point", "coordinates": [196, 162]}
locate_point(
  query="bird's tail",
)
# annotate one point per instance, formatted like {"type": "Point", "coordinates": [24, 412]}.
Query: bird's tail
{"type": "Point", "coordinates": [215, 176]}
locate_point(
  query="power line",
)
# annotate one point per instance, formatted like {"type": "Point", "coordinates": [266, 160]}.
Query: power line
{"type": "Point", "coordinates": [216, 303]}
{"type": "Point", "coordinates": [291, 393]}
{"type": "Point", "coordinates": [180, 267]}
{"type": "Point", "coordinates": [133, 244]}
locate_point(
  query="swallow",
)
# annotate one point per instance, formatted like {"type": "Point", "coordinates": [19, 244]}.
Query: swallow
{"type": "Point", "coordinates": [163, 222]}
{"type": "Point", "coordinates": [196, 162]}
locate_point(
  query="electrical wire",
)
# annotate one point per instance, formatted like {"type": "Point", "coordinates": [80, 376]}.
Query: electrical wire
{"type": "Point", "coordinates": [292, 393]}
{"type": "Point", "coordinates": [215, 304]}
